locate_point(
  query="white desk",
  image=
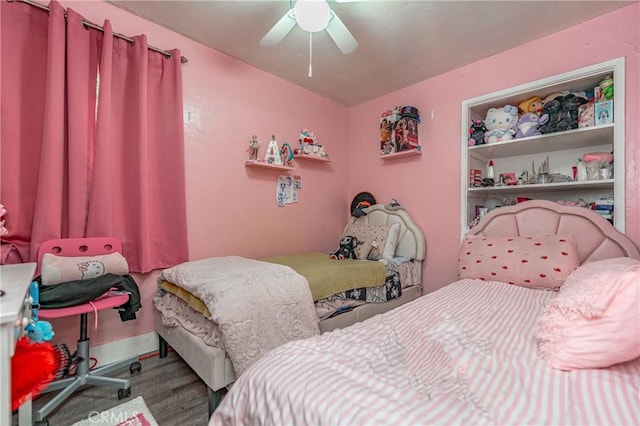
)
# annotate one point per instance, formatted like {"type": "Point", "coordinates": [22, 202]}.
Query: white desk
{"type": "Point", "coordinates": [14, 311]}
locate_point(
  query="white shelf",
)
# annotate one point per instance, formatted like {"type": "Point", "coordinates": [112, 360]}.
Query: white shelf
{"type": "Point", "coordinates": [551, 142]}
{"type": "Point", "coordinates": [500, 191]}
{"type": "Point", "coordinates": [563, 149]}
{"type": "Point", "coordinates": [263, 165]}
{"type": "Point", "coordinates": [407, 153]}
{"type": "Point", "coordinates": [311, 158]}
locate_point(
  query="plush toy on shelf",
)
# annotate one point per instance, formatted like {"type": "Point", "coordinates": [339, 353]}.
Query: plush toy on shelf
{"type": "Point", "coordinates": [563, 113]}
{"type": "Point", "coordinates": [500, 124]}
{"type": "Point", "coordinates": [476, 132]}
{"type": "Point", "coordinates": [533, 104]}
{"type": "Point", "coordinates": [528, 124]}
{"type": "Point", "coordinates": [606, 89]}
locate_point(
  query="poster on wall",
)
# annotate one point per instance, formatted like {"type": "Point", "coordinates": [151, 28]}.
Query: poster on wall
{"type": "Point", "coordinates": [287, 188]}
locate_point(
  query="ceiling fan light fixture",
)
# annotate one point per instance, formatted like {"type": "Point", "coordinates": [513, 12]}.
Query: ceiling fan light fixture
{"type": "Point", "coordinates": [312, 15]}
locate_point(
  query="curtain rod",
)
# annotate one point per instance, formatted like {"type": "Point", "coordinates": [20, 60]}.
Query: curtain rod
{"type": "Point", "coordinates": [183, 59]}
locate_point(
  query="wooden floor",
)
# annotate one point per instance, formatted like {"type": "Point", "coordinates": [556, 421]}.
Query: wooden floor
{"type": "Point", "coordinates": [172, 391]}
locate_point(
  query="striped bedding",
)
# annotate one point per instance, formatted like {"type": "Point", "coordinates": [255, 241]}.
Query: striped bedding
{"type": "Point", "coordinates": [465, 354]}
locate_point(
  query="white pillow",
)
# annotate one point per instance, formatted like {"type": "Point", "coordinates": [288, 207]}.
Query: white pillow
{"type": "Point", "coordinates": [58, 269]}
{"type": "Point", "coordinates": [389, 250]}
{"type": "Point", "coordinates": [375, 241]}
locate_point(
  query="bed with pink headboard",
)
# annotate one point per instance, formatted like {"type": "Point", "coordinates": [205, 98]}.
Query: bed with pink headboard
{"type": "Point", "coordinates": [542, 327]}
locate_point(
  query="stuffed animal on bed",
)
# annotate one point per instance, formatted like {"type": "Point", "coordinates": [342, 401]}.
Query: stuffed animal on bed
{"type": "Point", "coordinates": [347, 248]}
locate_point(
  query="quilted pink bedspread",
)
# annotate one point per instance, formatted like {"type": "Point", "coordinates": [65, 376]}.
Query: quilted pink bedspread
{"type": "Point", "coordinates": [465, 354]}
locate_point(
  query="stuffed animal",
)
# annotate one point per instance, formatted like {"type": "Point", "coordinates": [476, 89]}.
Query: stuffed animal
{"type": "Point", "coordinates": [551, 97]}
{"type": "Point", "coordinates": [40, 331]}
{"type": "Point", "coordinates": [500, 124]}
{"type": "Point", "coordinates": [347, 248]}
{"type": "Point", "coordinates": [606, 89]}
{"type": "Point", "coordinates": [563, 113]}
{"type": "Point", "coordinates": [476, 132]}
{"type": "Point", "coordinates": [533, 104]}
{"type": "Point", "coordinates": [528, 124]}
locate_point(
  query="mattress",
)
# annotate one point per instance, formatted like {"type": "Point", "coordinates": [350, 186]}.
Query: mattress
{"type": "Point", "coordinates": [465, 354]}
{"type": "Point", "coordinates": [386, 281]}
{"type": "Point", "coordinates": [176, 312]}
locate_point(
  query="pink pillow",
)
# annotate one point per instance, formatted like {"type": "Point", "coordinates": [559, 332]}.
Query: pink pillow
{"type": "Point", "coordinates": [537, 262]}
{"type": "Point", "coordinates": [594, 322]}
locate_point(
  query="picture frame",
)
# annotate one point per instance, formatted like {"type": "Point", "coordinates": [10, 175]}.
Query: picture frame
{"type": "Point", "coordinates": [508, 178]}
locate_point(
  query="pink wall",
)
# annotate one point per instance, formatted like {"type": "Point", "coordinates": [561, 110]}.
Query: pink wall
{"type": "Point", "coordinates": [231, 209]}
{"type": "Point", "coordinates": [429, 187]}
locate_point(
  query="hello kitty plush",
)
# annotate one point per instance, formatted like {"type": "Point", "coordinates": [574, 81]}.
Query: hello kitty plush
{"type": "Point", "coordinates": [500, 124]}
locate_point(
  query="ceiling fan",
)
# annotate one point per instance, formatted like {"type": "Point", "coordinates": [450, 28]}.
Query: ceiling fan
{"type": "Point", "coordinates": [312, 16]}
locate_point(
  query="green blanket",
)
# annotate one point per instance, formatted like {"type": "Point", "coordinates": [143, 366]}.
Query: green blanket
{"type": "Point", "coordinates": [327, 276]}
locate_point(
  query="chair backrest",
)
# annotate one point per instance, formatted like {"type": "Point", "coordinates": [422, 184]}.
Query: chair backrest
{"type": "Point", "coordinates": [74, 247]}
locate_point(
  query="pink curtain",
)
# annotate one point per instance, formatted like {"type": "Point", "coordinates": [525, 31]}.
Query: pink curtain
{"type": "Point", "coordinates": [36, 159]}
{"type": "Point", "coordinates": [66, 172]}
{"type": "Point", "coordinates": [139, 134]}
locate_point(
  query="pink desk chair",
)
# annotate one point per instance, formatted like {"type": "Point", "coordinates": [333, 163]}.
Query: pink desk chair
{"type": "Point", "coordinates": [71, 247]}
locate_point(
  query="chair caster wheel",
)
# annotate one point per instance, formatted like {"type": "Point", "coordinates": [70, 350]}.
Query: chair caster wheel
{"type": "Point", "coordinates": [124, 393]}
{"type": "Point", "coordinates": [44, 422]}
{"type": "Point", "coordinates": [136, 367]}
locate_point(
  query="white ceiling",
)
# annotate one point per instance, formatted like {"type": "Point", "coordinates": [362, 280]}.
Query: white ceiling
{"type": "Point", "coordinates": [401, 42]}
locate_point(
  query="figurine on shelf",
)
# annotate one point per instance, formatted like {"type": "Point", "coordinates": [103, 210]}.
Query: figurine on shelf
{"type": "Point", "coordinates": [272, 156]}
{"type": "Point", "coordinates": [254, 147]}
{"type": "Point", "coordinates": [286, 152]}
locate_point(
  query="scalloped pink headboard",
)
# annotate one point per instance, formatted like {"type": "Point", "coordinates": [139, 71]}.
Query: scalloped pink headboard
{"type": "Point", "coordinates": [596, 238]}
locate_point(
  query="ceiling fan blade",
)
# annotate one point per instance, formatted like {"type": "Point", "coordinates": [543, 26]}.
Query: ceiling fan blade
{"type": "Point", "coordinates": [341, 35]}
{"type": "Point", "coordinates": [279, 30]}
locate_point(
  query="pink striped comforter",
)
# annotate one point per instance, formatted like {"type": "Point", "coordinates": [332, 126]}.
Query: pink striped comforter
{"type": "Point", "coordinates": [465, 354]}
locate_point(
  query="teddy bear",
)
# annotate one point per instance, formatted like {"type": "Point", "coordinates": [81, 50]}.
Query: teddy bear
{"type": "Point", "coordinates": [528, 124]}
{"type": "Point", "coordinates": [476, 132]}
{"type": "Point", "coordinates": [500, 124]}
{"type": "Point", "coordinates": [563, 113]}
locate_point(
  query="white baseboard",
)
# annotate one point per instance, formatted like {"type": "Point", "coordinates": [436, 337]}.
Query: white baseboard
{"type": "Point", "coordinates": [115, 351]}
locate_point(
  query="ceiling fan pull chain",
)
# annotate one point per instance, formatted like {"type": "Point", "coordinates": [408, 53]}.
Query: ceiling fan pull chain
{"type": "Point", "coordinates": [310, 54]}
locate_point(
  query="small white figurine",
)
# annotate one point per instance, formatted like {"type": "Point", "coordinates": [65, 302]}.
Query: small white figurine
{"type": "Point", "coordinates": [254, 147]}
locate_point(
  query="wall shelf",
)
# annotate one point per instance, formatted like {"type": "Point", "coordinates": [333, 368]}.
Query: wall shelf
{"type": "Point", "coordinates": [564, 148]}
{"type": "Point", "coordinates": [263, 165]}
{"type": "Point", "coordinates": [311, 158]}
{"type": "Point", "coordinates": [407, 153]}
{"type": "Point", "coordinates": [499, 191]}
{"type": "Point", "coordinates": [551, 142]}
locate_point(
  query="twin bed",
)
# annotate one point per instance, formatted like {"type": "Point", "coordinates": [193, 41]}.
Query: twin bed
{"type": "Point", "coordinates": [541, 328]}
{"type": "Point", "coordinates": [208, 326]}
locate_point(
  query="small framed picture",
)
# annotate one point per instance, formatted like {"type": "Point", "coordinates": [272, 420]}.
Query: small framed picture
{"type": "Point", "coordinates": [508, 179]}
{"type": "Point", "coordinates": [604, 112]}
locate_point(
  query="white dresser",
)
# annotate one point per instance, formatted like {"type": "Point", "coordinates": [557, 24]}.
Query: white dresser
{"type": "Point", "coordinates": [15, 314]}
